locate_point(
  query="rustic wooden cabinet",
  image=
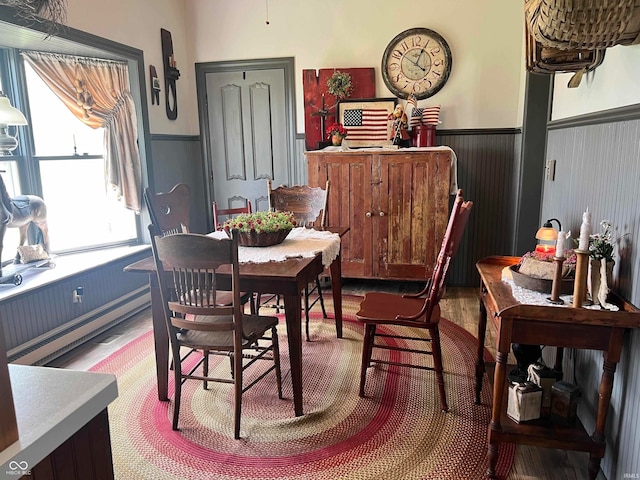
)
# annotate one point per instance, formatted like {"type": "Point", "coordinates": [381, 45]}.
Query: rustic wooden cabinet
{"type": "Point", "coordinates": [395, 204]}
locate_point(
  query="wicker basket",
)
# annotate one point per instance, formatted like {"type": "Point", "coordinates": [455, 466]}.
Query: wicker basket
{"type": "Point", "coordinates": [265, 239]}
{"type": "Point", "coordinates": [541, 59]}
{"type": "Point", "coordinates": [583, 24]}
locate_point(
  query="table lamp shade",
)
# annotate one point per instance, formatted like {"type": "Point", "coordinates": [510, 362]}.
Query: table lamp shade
{"type": "Point", "coordinates": [9, 115]}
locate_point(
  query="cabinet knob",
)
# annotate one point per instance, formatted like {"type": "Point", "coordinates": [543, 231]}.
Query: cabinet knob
{"type": "Point", "coordinates": [368, 214]}
{"type": "Point", "coordinates": [381, 214]}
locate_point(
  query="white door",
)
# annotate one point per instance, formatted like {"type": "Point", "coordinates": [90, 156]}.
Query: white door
{"type": "Point", "coordinates": [248, 135]}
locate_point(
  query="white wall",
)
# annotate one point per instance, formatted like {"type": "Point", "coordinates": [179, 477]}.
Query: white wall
{"type": "Point", "coordinates": [485, 88]}
{"type": "Point", "coordinates": [613, 84]}
{"type": "Point", "coordinates": [485, 36]}
{"type": "Point", "coordinates": [137, 23]}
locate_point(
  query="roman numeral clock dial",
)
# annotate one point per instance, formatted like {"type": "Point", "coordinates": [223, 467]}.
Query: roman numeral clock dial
{"type": "Point", "coordinates": [417, 61]}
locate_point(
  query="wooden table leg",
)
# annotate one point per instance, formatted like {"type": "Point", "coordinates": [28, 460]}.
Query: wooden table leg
{"type": "Point", "coordinates": [480, 368]}
{"type": "Point", "coordinates": [496, 411]}
{"type": "Point", "coordinates": [293, 315]}
{"type": "Point", "coordinates": [336, 289]}
{"type": "Point", "coordinates": [160, 339]}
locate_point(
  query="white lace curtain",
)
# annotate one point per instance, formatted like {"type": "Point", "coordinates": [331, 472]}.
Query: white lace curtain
{"type": "Point", "coordinates": [97, 92]}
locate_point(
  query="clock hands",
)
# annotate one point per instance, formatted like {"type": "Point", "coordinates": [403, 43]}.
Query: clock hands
{"type": "Point", "coordinates": [415, 62]}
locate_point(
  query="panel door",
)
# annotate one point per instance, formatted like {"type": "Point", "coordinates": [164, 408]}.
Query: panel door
{"type": "Point", "coordinates": [413, 213]}
{"type": "Point", "coordinates": [349, 203]}
{"type": "Point", "coordinates": [248, 135]}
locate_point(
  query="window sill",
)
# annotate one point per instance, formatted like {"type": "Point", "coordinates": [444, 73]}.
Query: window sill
{"type": "Point", "coordinates": [65, 266]}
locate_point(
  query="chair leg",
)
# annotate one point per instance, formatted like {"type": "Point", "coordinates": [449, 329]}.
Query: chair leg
{"type": "Point", "coordinates": [177, 380]}
{"type": "Point", "coordinates": [252, 305]}
{"type": "Point", "coordinates": [306, 310]}
{"type": "Point", "coordinates": [257, 304]}
{"type": "Point", "coordinates": [237, 384]}
{"type": "Point", "coordinates": [324, 311]}
{"type": "Point", "coordinates": [367, 346]}
{"type": "Point", "coordinates": [205, 368]}
{"type": "Point", "coordinates": [437, 363]}
{"type": "Point", "coordinates": [276, 360]}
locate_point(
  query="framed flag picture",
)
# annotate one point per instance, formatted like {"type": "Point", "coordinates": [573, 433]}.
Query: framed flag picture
{"type": "Point", "coordinates": [367, 121]}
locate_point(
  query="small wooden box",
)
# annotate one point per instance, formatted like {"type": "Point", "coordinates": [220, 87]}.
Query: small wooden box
{"type": "Point", "coordinates": [524, 402]}
{"type": "Point", "coordinates": [564, 402]}
{"type": "Point", "coordinates": [544, 377]}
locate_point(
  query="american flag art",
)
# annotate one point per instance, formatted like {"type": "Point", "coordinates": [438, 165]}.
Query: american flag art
{"type": "Point", "coordinates": [366, 124]}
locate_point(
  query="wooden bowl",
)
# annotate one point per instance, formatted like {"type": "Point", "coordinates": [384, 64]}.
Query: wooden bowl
{"type": "Point", "coordinates": [264, 239]}
{"type": "Point", "coordinates": [539, 284]}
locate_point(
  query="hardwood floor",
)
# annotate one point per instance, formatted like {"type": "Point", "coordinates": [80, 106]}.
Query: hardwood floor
{"type": "Point", "coordinates": [460, 305]}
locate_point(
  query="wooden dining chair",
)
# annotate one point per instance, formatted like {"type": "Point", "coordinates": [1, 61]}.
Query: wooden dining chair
{"type": "Point", "coordinates": [309, 207]}
{"type": "Point", "coordinates": [169, 213]}
{"type": "Point", "coordinates": [222, 214]}
{"type": "Point", "coordinates": [196, 319]}
{"type": "Point", "coordinates": [420, 311]}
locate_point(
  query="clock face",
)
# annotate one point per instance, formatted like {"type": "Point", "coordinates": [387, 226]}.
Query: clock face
{"type": "Point", "coordinates": [416, 61]}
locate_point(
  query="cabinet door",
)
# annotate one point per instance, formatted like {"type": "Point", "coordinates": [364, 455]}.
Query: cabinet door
{"type": "Point", "coordinates": [413, 209]}
{"type": "Point", "coordinates": [349, 203]}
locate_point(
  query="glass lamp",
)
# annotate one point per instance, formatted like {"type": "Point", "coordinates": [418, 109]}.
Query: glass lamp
{"type": "Point", "coordinates": [547, 236]}
{"type": "Point", "coordinates": [8, 116]}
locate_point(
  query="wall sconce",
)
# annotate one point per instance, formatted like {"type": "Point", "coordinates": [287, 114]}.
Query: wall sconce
{"type": "Point", "coordinates": [547, 233]}
{"type": "Point", "coordinates": [8, 116]}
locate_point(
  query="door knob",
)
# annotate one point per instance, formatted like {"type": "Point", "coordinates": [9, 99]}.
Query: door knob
{"type": "Point", "coordinates": [381, 214]}
{"type": "Point", "coordinates": [368, 214]}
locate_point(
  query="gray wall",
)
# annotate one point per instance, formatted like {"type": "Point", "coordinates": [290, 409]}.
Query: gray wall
{"type": "Point", "coordinates": [488, 171]}
{"type": "Point", "coordinates": [598, 166]}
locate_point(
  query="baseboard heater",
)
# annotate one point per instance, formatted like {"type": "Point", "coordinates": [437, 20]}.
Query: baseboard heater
{"type": "Point", "coordinates": [46, 347]}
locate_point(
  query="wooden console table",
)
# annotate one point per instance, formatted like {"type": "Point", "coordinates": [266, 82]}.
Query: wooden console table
{"type": "Point", "coordinates": [561, 326]}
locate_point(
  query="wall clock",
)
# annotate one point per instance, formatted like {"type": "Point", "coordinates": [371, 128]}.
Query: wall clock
{"type": "Point", "coordinates": [416, 61]}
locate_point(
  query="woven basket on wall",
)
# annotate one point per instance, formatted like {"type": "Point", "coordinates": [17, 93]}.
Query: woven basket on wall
{"type": "Point", "coordinates": [541, 59]}
{"type": "Point", "coordinates": [583, 24]}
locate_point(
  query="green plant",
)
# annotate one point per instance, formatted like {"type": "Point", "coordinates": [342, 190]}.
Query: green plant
{"type": "Point", "coordinates": [339, 84]}
{"type": "Point", "coordinates": [261, 222]}
{"type": "Point", "coordinates": [600, 245]}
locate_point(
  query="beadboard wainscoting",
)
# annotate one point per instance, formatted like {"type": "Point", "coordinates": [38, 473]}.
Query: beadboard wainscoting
{"type": "Point", "coordinates": [598, 166]}
{"type": "Point", "coordinates": [40, 318]}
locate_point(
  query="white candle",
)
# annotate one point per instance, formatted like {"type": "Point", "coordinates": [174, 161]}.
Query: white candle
{"type": "Point", "coordinates": [562, 236]}
{"type": "Point", "coordinates": [585, 231]}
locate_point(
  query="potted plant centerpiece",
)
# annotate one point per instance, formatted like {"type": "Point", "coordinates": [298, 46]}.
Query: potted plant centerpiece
{"type": "Point", "coordinates": [260, 229]}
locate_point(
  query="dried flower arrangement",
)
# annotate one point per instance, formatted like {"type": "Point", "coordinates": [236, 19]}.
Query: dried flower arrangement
{"type": "Point", "coordinates": [600, 244]}
{"type": "Point", "coordinates": [261, 222]}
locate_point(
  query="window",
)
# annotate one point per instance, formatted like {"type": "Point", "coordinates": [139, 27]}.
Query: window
{"type": "Point", "coordinates": [66, 167]}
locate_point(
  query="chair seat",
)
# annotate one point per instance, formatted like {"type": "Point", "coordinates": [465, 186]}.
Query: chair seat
{"type": "Point", "coordinates": [224, 298]}
{"type": "Point", "coordinates": [383, 308]}
{"type": "Point", "coordinates": [254, 327]}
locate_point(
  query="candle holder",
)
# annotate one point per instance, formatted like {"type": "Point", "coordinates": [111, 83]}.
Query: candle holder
{"type": "Point", "coordinates": [580, 285]}
{"type": "Point", "coordinates": [557, 282]}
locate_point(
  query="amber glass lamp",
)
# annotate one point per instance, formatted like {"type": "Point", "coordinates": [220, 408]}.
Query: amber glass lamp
{"type": "Point", "coordinates": [547, 236]}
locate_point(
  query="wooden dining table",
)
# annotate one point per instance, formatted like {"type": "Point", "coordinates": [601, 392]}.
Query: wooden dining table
{"type": "Point", "coordinates": [287, 278]}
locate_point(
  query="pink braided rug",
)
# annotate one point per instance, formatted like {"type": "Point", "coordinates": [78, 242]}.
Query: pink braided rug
{"type": "Point", "coordinates": [397, 432]}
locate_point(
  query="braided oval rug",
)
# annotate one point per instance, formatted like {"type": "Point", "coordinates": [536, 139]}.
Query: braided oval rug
{"type": "Point", "coordinates": [397, 432]}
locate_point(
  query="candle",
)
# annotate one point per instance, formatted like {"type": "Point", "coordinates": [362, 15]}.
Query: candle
{"type": "Point", "coordinates": [562, 236]}
{"type": "Point", "coordinates": [585, 231]}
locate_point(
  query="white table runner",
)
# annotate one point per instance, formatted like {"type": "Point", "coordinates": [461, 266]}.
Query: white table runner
{"type": "Point", "coordinates": [301, 242]}
{"type": "Point", "coordinates": [531, 297]}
